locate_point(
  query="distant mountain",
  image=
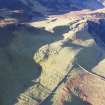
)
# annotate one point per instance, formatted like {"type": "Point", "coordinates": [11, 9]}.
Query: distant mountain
{"type": "Point", "coordinates": [54, 5]}
{"type": "Point", "coordinates": [71, 4]}
{"type": "Point", "coordinates": [14, 4]}
{"type": "Point", "coordinates": [33, 9]}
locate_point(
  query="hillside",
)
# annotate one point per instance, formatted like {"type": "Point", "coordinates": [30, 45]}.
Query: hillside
{"type": "Point", "coordinates": [52, 52]}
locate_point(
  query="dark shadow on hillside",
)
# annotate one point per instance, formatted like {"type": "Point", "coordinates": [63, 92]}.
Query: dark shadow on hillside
{"type": "Point", "coordinates": [59, 30]}
{"type": "Point", "coordinates": [70, 44]}
{"type": "Point", "coordinates": [16, 77]}
{"type": "Point", "coordinates": [17, 68]}
{"type": "Point", "coordinates": [88, 57]}
{"type": "Point", "coordinates": [97, 30]}
{"type": "Point", "coordinates": [46, 36]}
{"type": "Point", "coordinates": [81, 35]}
{"type": "Point", "coordinates": [77, 101]}
{"type": "Point", "coordinates": [6, 34]}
